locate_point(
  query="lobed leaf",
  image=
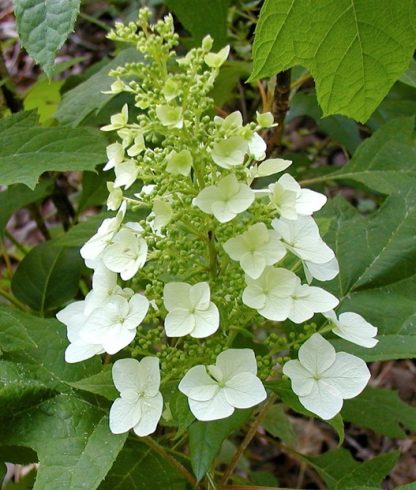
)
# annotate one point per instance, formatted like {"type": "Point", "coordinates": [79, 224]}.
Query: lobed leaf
{"type": "Point", "coordinates": [27, 150]}
{"type": "Point", "coordinates": [355, 49]}
{"type": "Point", "coordinates": [44, 26]}
{"type": "Point", "coordinates": [340, 471]}
{"type": "Point", "coordinates": [396, 415]}
{"type": "Point", "coordinates": [72, 440]}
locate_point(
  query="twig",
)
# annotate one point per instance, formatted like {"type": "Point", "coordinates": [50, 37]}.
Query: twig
{"type": "Point", "coordinates": [263, 96]}
{"type": "Point", "coordinates": [62, 204]}
{"type": "Point", "coordinates": [18, 245]}
{"type": "Point", "coordinates": [280, 108]}
{"type": "Point", "coordinates": [11, 299]}
{"type": "Point", "coordinates": [6, 258]}
{"type": "Point", "coordinates": [7, 89]}
{"type": "Point", "coordinates": [35, 213]}
{"type": "Point", "coordinates": [247, 439]}
{"type": "Point", "coordinates": [173, 461]}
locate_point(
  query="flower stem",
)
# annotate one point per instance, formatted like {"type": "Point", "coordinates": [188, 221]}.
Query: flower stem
{"type": "Point", "coordinates": [247, 439]}
{"type": "Point", "coordinates": [213, 264]}
{"type": "Point", "coordinates": [170, 459]}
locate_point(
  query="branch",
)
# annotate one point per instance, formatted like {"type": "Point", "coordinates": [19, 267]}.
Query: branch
{"type": "Point", "coordinates": [280, 108]}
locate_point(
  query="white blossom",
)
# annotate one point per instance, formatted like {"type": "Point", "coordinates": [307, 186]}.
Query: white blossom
{"type": "Point", "coordinates": [234, 120]}
{"type": "Point", "coordinates": [322, 272]}
{"type": "Point", "coordinates": [255, 249]}
{"type": "Point", "coordinates": [115, 197]}
{"type": "Point", "coordinates": [226, 199]}
{"type": "Point", "coordinates": [127, 252]}
{"type": "Point", "coordinates": [140, 404]}
{"type": "Point", "coordinates": [179, 163]}
{"type": "Point", "coordinates": [278, 294]}
{"type": "Point", "coordinates": [137, 147]}
{"type": "Point", "coordinates": [108, 228]}
{"type": "Point", "coordinates": [229, 152]}
{"type": "Point", "coordinates": [322, 378]}
{"type": "Point", "coordinates": [171, 89]}
{"type": "Point", "coordinates": [354, 328]}
{"type": "Point", "coordinates": [265, 119]}
{"type": "Point", "coordinates": [302, 238]}
{"type": "Point", "coordinates": [269, 167]}
{"type": "Point", "coordinates": [291, 201]}
{"type": "Point", "coordinates": [104, 286]}
{"type": "Point", "coordinates": [215, 391]}
{"type": "Point", "coordinates": [160, 216]}
{"type": "Point", "coordinates": [190, 310]}
{"type": "Point", "coordinates": [215, 60]}
{"type": "Point", "coordinates": [126, 173]}
{"type": "Point", "coordinates": [170, 116]}
{"type": "Point", "coordinates": [73, 316]}
{"type": "Point", "coordinates": [118, 121]}
{"type": "Point", "coordinates": [257, 147]}
{"type": "Point", "coordinates": [115, 155]}
{"type": "Point", "coordinates": [114, 324]}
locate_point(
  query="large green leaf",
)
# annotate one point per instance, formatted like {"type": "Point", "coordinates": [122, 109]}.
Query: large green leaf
{"type": "Point", "coordinates": [39, 344]}
{"type": "Point", "coordinates": [17, 196]}
{"type": "Point", "coordinates": [18, 390]}
{"type": "Point", "coordinates": [27, 150]}
{"type": "Point", "coordinates": [202, 17]}
{"type": "Point", "coordinates": [395, 416]}
{"type": "Point", "coordinates": [47, 277]}
{"type": "Point", "coordinates": [87, 97]}
{"type": "Point", "coordinates": [206, 438]}
{"type": "Point", "coordinates": [386, 161]}
{"type": "Point", "coordinates": [340, 471]}
{"type": "Point", "coordinates": [409, 76]}
{"type": "Point", "coordinates": [99, 384]}
{"type": "Point", "coordinates": [72, 440]}
{"type": "Point", "coordinates": [44, 26]}
{"type": "Point", "coordinates": [355, 49]}
{"type": "Point", "coordinates": [377, 277]}
{"type": "Point", "coordinates": [139, 468]}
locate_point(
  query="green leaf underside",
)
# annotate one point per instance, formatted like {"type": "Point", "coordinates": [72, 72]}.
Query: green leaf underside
{"type": "Point", "coordinates": [202, 17]}
{"type": "Point", "coordinates": [377, 278]}
{"type": "Point", "coordinates": [340, 471]}
{"type": "Point", "coordinates": [386, 161]}
{"type": "Point", "coordinates": [47, 277]}
{"type": "Point", "coordinates": [355, 49]}
{"type": "Point", "coordinates": [391, 421]}
{"type": "Point", "coordinates": [87, 97]}
{"type": "Point", "coordinates": [206, 438]}
{"type": "Point", "coordinates": [43, 27]}
{"type": "Point", "coordinates": [26, 151]}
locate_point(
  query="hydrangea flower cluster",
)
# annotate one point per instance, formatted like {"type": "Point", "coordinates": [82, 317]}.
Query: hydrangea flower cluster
{"type": "Point", "coordinates": [198, 252]}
